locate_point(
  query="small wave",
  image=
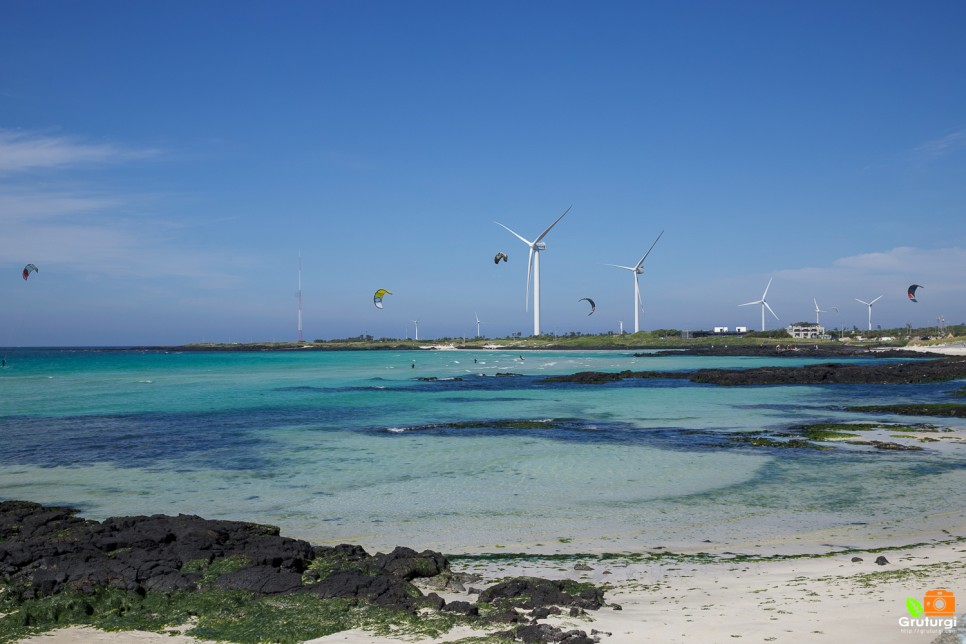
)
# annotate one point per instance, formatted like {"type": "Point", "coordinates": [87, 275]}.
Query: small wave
{"type": "Point", "coordinates": [147, 382]}
{"type": "Point", "coordinates": [397, 430]}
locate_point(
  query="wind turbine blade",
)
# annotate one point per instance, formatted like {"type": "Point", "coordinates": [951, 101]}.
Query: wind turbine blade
{"type": "Point", "coordinates": [641, 263]}
{"type": "Point", "coordinates": [816, 305]}
{"type": "Point", "coordinates": [637, 288]}
{"type": "Point", "coordinates": [629, 268]}
{"type": "Point", "coordinates": [544, 233]}
{"type": "Point", "coordinates": [529, 270]}
{"type": "Point", "coordinates": [863, 301]}
{"type": "Point", "coordinates": [875, 300]}
{"type": "Point", "coordinates": [765, 294]}
{"type": "Point", "coordinates": [769, 310]}
{"type": "Point", "coordinates": [525, 241]}
{"type": "Point", "coordinates": [750, 303]}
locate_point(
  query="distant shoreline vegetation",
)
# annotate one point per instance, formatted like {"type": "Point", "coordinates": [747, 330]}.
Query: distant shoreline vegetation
{"type": "Point", "coordinates": [660, 339]}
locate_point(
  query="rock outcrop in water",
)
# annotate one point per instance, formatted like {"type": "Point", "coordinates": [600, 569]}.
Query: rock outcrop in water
{"type": "Point", "coordinates": [937, 370]}
{"type": "Point", "coordinates": [46, 551]}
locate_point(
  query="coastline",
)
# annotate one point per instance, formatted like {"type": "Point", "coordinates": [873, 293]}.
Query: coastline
{"type": "Point", "coordinates": [817, 600]}
{"type": "Point", "coordinates": [707, 593]}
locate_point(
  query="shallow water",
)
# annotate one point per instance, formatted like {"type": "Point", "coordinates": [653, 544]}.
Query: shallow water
{"type": "Point", "coordinates": [352, 447]}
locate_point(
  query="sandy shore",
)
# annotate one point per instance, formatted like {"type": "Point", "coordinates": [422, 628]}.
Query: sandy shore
{"type": "Point", "coordinates": [821, 599]}
{"type": "Point", "coordinates": [943, 349]}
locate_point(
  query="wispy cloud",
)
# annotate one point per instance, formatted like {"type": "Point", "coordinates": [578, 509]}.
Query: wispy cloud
{"type": "Point", "coordinates": [889, 269]}
{"type": "Point", "coordinates": [20, 205]}
{"type": "Point", "coordinates": [22, 150]}
{"type": "Point", "coordinates": [71, 222]}
{"type": "Point", "coordinates": [945, 145]}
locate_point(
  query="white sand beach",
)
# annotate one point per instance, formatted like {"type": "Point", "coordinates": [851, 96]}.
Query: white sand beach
{"type": "Point", "coordinates": [956, 349]}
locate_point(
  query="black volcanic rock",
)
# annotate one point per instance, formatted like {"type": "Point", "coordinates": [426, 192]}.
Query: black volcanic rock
{"type": "Point", "coordinates": [918, 371]}
{"type": "Point", "coordinates": [533, 592]}
{"type": "Point", "coordinates": [46, 550]}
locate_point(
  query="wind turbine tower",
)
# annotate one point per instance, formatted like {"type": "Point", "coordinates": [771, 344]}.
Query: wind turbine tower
{"type": "Point", "coordinates": [477, 324]}
{"type": "Point", "coordinates": [764, 305]}
{"type": "Point", "coordinates": [817, 311]}
{"type": "Point", "coordinates": [869, 304]}
{"type": "Point", "coordinates": [533, 267]}
{"type": "Point", "coordinates": [637, 270]}
{"type": "Point", "coordinates": [300, 296]}
{"type": "Point", "coordinates": [416, 322]}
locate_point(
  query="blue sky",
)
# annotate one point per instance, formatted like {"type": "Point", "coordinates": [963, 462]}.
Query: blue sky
{"type": "Point", "coordinates": [165, 163]}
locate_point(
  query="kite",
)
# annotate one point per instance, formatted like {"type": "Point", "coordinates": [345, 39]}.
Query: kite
{"type": "Point", "coordinates": [377, 298]}
{"type": "Point", "coordinates": [28, 269]}
{"type": "Point", "coordinates": [593, 307]}
{"type": "Point", "coordinates": [911, 293]}
{"type": "Point", "coordinates": [499, 256]}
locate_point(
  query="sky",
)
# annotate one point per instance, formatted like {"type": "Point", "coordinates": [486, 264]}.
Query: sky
{"type": "Point", "coordinates": [165, 164]}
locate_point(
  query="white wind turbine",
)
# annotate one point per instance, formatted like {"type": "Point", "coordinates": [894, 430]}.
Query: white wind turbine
{"type": "Point", "coordinates": [416, 322]}
{"type": "Point", "coordinates": [817, 311]}
{"type": "Point", "coordinates": [533, 266]}
{"type": "Point", "coordinates": [477, 324]}
{"type": "Point", "coordinates": [764, 305]}
{"type": "Point", "coordinates": [869, 304]}
{"type": "Point", "coordinates": [637, 270]}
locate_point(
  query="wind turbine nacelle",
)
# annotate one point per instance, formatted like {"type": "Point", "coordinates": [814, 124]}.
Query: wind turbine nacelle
{"type": "Point", "coordinates": [540, 246]}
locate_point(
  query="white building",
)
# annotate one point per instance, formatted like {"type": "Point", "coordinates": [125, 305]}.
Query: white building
{"type": "Point", "coordinates": [806, 330]}
{"type": "Point", "coordinates": [721, 329]}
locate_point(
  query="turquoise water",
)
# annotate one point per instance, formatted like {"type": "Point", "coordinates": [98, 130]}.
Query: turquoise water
{"type": "Point", "coordinates": [353, 447]}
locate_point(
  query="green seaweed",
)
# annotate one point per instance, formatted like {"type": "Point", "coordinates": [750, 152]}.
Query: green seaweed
{"type": "Point", "coordinates": [655, 556]}
{"type": "Point", "coordinates": [764, 441]}
{"type": "Point", "coordinates": [837, 427]}
{"type": "Point", "coordinates": [210, 571]}
{"type": "Point", "coordinates": [951, 410]}
{"type": "Point", "coordinates": [231, 616]}
{"type": "Point", "coordinates": [826, 435]}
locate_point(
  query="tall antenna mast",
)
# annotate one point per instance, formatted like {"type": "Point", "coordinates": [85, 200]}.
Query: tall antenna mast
{"type": "Point", "coordinates": [300, 296]}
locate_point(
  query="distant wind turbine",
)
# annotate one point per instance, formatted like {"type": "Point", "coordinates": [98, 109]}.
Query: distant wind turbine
{"type": "Point", "coordinates": [416, 322]}
{"type": "Point", "coordinates": [637, 270]}
{"type": "Point", "coordinates": [533, 266]}
{"type": "Point", "coordinates": [869, 304]}
{"type": "Point", "coordinates": [477, 324]}
{"type": "Point", "coordinates": [764, 305]}
{"type": "Point", "coordinates": [817, 311]}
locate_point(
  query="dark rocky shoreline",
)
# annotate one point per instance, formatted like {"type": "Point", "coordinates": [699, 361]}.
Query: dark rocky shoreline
{"type": "Point", "coordinates": [50, 551]}
{"type": "Point", "coordinates": [918, 371]}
